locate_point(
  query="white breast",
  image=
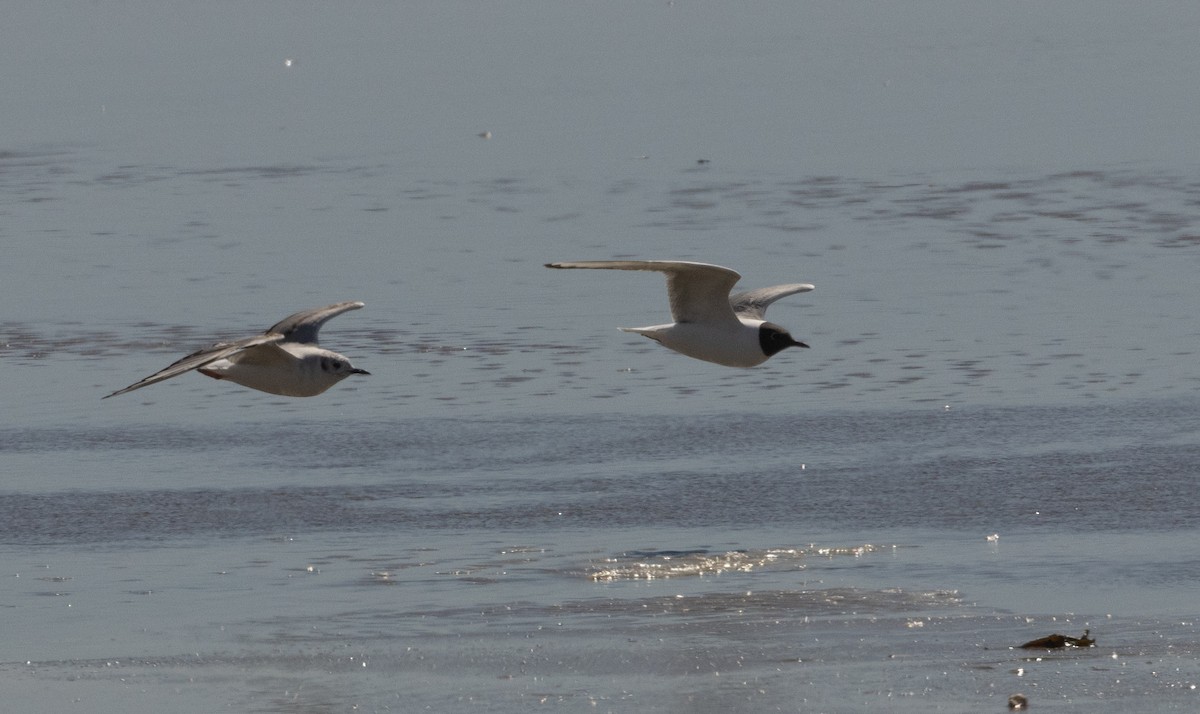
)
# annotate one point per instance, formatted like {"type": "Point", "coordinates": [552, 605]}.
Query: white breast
{"type": "Point", "coordinates": [292, 370]}
{"type": "Point", "coordinates": [728, 345]}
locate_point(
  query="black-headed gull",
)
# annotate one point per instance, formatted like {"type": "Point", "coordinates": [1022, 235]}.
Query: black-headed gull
{"type": "Point", "coordinates": [710, 324]}
{"type": "Point", "coordinates": [284, 360]}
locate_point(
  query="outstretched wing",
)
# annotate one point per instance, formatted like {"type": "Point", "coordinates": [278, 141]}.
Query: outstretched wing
{"type": "Point", "coordinates": [210, 354]}
{"type": "Point", "coordinates": [303, 326]}
{"type": "Point", "coordinates": [699, 292]}
{"type": "Point", "coordinates": [753, 303]}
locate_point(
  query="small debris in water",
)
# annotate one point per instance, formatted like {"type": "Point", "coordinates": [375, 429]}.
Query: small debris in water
{"type": "Point", "coordinates": [1057, 641]}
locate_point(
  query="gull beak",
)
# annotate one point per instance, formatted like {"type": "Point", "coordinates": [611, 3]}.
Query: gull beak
{"type": "Point", "coordinates": [796, 343]}
{"type": "Point", "coordinates": [356, 370]}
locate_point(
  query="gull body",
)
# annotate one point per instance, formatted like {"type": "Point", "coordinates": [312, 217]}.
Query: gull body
{"type": "Point", "coordinates": [710, 324]}
{"type": "Point", "coordinates": [284, 360]}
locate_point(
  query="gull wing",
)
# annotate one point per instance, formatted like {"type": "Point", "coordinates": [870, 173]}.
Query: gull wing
{"type": "Point", "coordinates": [266, 355]}
{"type": "Point", "coordinates": [199, 358]}
{"type": "Point", "coordinates": [699, 292]}
{"type": "Point", "coordinates": [303, 326]}
{"type": "Point", "coordinates": [753, 303]}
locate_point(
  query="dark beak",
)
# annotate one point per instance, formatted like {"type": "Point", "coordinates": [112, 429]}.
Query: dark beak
{"type": "Point", "coordinates": [360, 371]}
{"type": "Point", "coordinates": [799, 344]}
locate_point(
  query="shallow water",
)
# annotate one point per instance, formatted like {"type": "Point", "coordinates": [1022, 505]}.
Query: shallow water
{"type": "Point", "coordinates": [992, 439]}
{"type": "Point", "coordinates": [659, 562]}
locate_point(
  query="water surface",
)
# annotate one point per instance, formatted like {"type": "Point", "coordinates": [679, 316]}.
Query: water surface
{"type": "Point", "coordinates": [992, 439]}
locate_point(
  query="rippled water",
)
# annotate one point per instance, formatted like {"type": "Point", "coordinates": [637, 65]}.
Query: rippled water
{"type": "Point", "coordinates": [993, 438]}
{"type": "Point", "coordinates": [661, 562]}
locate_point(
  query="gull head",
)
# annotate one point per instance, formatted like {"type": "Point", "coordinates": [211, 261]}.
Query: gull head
{"type": "Point", "coordinates": [774, 339]}
{"type": "Point", "coordinates": [339, 367]}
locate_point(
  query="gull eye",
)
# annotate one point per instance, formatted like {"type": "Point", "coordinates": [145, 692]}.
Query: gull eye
{"type": "Point", "coordinates": [337, 366]}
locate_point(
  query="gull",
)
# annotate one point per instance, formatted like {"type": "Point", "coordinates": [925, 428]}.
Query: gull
{"type": "Point", "coordinates": [710, 324]}
{"type": "Point", "coordinates": [284, 360]}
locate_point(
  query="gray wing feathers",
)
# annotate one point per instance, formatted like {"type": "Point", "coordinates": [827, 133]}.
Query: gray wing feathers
{"type": "Point", "coordinates": [701, 294]}
{"type": "Point", "coordinates": [304, 326]}
{"type": "Point", "coordinates": [199, 358]}
{"type": "Point", "coordinates": [753, 303]}
{"type": "Point", "coordinates": [267, 355]}
{"type": "Point", "coordinates": [697, 291]}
